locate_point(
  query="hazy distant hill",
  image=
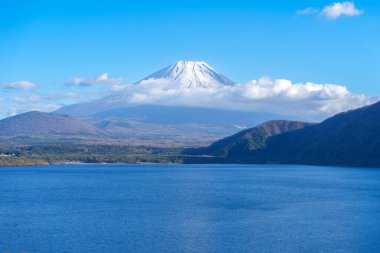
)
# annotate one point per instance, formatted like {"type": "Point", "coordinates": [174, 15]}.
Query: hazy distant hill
{"type": "Point", "coordinates": [174, 125]}
{"type": "Point", "coordinates": [160, 126]}
{"type": "Point", "coordinates": [35, 124]}
{"type": "Point", "coordinates": [41, 122]}
{"type": "Point", "coordinates": [350, 138]}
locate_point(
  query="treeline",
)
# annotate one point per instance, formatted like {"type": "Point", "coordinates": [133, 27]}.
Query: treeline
{"type": "Point", "coordinates": [65, 153]}
{"type": "Point", "coordinates": [20, 161]}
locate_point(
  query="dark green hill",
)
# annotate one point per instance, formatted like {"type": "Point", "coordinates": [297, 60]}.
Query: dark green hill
{"type": "Point", "coordinates": [253, 138]}
{"type": "Point", "coordinates": [351, 138]}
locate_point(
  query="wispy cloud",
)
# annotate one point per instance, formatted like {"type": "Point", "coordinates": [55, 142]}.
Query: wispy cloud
{"type": "Point", "coordinates": [118, 87]}
{"type": "Point", "coordinates": [101, 79]}
{"type": "Point", "coordinates": [46, 102]}
{"type": "Point", "coordinates": [26, 99]}
{"type": "Point", "coordinates": [333, 10]}
{"type": "Point", "coordinates": [308, 11]}
{"type": "Point", "coordinates": [19, 86]}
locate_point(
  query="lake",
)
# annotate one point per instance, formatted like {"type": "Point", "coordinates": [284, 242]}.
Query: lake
{"type": "Point", "coordinates": [189, 208]}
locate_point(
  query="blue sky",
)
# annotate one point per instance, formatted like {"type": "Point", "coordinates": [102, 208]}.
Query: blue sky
{"type": "Point", "coordinates": [49, 42]}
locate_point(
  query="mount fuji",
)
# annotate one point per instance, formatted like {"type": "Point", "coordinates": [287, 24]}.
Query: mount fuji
{"type": "Point", "coordinates": [141, 117]}
{"type": "Point", "coordinates": [191, 75]}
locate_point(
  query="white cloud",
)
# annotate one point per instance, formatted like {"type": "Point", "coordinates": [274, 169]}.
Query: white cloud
{"type": "Point", "coordinates": [102, 79]}
{"type": "Point", "coordinates": [308, 11]}
{"type": "Point", "coordinates": [334, 10]}
{"type": "Point", "coordinates": [12, 111]}
{"type": "Point", "coordinates": [71, 94]}
{"type": "Point", "coordinates": [19, 86]}
{"type": "Point", "coordinates": [305, 100]}
{"type": "Point", "coordinates": [119, 87]}
{"type": "Point", "coordinates": [337, 9]}
{"type": "Point", "coordinates": [308, 101]}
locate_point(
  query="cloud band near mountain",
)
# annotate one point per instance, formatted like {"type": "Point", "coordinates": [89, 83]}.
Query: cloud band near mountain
{"type": "Point", "coordinates": [280, 96]}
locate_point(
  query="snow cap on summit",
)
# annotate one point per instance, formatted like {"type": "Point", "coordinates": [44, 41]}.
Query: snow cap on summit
{"type": "Point", "coordinates": [192, 74]}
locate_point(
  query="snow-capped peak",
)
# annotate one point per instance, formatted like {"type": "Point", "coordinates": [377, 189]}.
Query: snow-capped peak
{"type": "Point", "coordinates": [192, 74]}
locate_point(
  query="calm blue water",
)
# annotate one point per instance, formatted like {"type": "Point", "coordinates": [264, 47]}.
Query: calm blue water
{"type": "Point", "coordinates": [189, 208]}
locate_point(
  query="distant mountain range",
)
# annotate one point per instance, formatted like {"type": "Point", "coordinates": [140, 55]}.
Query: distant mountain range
{"type": "Point", "coordinates": [168, 124]}
{"type": "Point", "coordinates": [162, 126]}
{"type": "Point", "coordinates": [351, 138]}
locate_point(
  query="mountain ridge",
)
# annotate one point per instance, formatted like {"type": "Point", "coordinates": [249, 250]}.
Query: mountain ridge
{"type": "Point", "coordinates": [250, 139]}
{"type": "Point", "coordinates": [350, 138]}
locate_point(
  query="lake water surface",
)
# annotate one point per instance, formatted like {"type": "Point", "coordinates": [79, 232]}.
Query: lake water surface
{"type": "Point", "coordinates": [189, 208]}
